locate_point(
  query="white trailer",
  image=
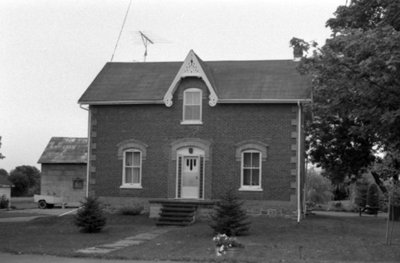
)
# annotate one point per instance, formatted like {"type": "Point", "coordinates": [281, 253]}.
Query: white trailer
{"type": "Point", "coordinates": [48, 201]}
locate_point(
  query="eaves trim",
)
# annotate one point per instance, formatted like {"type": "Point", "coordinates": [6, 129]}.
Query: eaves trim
{"type": "Point", "coordinates": [226, 101]}
{"type": "Point", "coordinates": [121, 102]}
{"type": "Point", "coordinates": [244, 101]}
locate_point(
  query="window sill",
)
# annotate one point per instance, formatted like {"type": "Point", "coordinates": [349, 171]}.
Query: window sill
{"type": "Point", "coordinates": [191, 122]}
{"type": "Point", "coordinates": [131, 187]}
{"type": "Point", "coordinates": [250, 189]}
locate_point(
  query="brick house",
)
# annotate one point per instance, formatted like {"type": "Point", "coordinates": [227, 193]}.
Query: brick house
{"type": "Point", "coordinates": [64, 169]}
{"type": "Point", "coordinates": [187, 131]}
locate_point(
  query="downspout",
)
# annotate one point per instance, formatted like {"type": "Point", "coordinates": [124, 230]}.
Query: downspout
{"type": "Point", "coordinates": [88, 150]}
{"type": "Point", "coordinates": [299, 162]}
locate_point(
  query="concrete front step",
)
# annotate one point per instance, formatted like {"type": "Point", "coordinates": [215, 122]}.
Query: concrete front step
{"type": "Point", "coordinates": [166, 223]}
{"type": "Point", "coordinates": [178, 209]}
{"type": "Point", "coordinates": [176, 214]}
{"type": "Point", "coordinates": [181, 218]}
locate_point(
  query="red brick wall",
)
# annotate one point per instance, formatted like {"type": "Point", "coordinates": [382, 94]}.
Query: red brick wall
{"type": "Point", "coordinates": [223, 126]}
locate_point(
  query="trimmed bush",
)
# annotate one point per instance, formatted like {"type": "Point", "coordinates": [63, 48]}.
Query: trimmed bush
{"type": "Point", "coordinates": [228, 216]}
{"type": "Point", "coordinates": [90, 217]}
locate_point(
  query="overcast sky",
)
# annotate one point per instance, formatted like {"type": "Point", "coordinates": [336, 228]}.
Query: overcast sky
{"type": "Point", "coordinates": [50, 51]}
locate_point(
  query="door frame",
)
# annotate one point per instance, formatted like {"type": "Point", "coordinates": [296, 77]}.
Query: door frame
{"type": "Point", "coordinates": [189, 152]}
{"type": "Point", "coordinates": [196, 193]}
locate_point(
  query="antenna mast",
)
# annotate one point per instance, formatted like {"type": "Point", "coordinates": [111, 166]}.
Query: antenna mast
{"type": "Point", "coordinates": [122, 28]}
{"type": "Point", "coordinates": [146, 40]}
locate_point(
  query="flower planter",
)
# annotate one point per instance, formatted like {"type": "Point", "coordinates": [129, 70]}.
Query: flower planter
{"type": "Point", "coordinates": [218, 252]}
{"type": "Point", "coordinates": [227, 246]}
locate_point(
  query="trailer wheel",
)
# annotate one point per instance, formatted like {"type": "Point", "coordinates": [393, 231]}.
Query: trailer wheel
{"type": "Point", "coordinates": [42, 204]}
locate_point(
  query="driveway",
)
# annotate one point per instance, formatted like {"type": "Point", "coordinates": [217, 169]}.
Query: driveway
{"type": "Point", "coordinates": [12, 258]}
{"type": "Point", "coordinates": [347, 214]}
{"type": "Point", "coordinates": [24, 215]}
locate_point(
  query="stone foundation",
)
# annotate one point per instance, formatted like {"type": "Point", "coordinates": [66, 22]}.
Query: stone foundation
{"type": "Point", "coordinates": [113, 204]}
{"type": "Point", "coordinates": [152, 207]}
{"type": "Point", "coordinates": [271, 208]}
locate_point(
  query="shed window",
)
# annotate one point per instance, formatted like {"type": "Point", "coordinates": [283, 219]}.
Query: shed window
{"type": "Point", "coordinates": [77, 183]}
{"type": "Point", "coordinates": [192, 106]}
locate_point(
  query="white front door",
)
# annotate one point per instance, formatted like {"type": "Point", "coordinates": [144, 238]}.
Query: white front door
{"type": "Point", "coordinates": [190, 176]}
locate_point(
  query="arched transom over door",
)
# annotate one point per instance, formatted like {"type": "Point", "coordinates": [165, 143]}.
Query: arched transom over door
{"type": "Point", "coordinates": [190, 173]}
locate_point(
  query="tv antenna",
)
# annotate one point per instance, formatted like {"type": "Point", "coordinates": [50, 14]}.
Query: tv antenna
{"type": "Point", "coordinates": [146, 41]}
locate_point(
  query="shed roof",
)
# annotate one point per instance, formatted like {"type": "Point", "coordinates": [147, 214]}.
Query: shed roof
{"type": "Point", "coordinates": [233, 80]}
{"type": "Point", "coordinates": [65, 150]}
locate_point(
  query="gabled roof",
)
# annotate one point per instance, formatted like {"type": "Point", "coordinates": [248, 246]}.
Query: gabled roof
{"type": "Point", "coordinates": [65, 150]}
{"type": "Point", "coordinates": [4, 181]}
{"type": "Point", "coordinates": [258, 81]}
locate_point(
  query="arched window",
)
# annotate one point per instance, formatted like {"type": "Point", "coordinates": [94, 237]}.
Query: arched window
{"type": "Point", "coordinates": [192, 106]}
{"type": "Point", "coordinates": [132, 153]}
{"type": "Point", "coordinates": [251, 154]}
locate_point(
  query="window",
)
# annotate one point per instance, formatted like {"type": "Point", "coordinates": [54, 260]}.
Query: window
{"type": "Point", "coordinates": [192, 99]}
{"type": "Point", "coordinates": [251, 170]}
{"type": "Point", "coordinates": [132, 169]}
{"type": "Point", "coordinates": [77, 183]}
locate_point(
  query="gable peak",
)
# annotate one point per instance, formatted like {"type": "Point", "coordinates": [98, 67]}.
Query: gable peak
{"type": "Point", "coordinates": [191, 67]}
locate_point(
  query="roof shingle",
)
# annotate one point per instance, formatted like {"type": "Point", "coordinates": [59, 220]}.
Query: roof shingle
{"type": "Point", "coordinates": [65, 150]}
{"type": "Point", "coordinates": [233, 80]}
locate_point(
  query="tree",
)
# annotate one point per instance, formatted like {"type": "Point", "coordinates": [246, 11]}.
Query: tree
{"type": "Point", "coordinates": [356, 79]}
{"type": "Point", "coordinates": [373, 199]}
{"type": "Point", "coordinates": [1, 155]}
{"type": "Point", "coordinates": [3, 173]}
{"type": "Point", "coordinates": [26, 180]}
{"type": "Point", "coordinates": [228, 216]}
{"type": "Point", "coordinates": [90, 217]}
{"type": "Point", "coordinates": [319, 188]}
{"type": "Point", "coordinates": [336, 144]}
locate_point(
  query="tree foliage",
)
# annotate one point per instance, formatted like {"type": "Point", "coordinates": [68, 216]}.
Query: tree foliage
{"type": "Point", "coordinates": [319, 188]}
{"type": "Point", "coordinates": [373, 198]}
{"type": "Point", "coordinates": [1, 155]}
{"type": "Point", "coordinates": [26, 180]}
{"type": "Point", "coordinates": [388, 166]}
{"type": "Point", "coordinates": [3, 172]}
{"type": "Point", "coordinates": [356, 80]}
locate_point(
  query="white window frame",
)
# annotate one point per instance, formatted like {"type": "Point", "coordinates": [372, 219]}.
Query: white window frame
{"type": "Point", "coordinates": [184, 121]}
{"type": "Point", "coordinates": [131, 185]}
{"type": "Point", "coordinates": [250, 187]}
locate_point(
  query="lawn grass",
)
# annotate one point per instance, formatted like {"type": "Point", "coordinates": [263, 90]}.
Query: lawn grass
{"type": "Point", "coordinates": [8, 214]}
{"type": "Point", "coordinates": [316, 239]}
{"type": "Point", "coordinates": [59, 236]}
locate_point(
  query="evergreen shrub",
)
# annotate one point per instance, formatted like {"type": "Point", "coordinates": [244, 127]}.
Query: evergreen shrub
{"type": "Point", "coordinates": [90, 217]}
{"type": "Point", "coordinates": [228, 216]}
